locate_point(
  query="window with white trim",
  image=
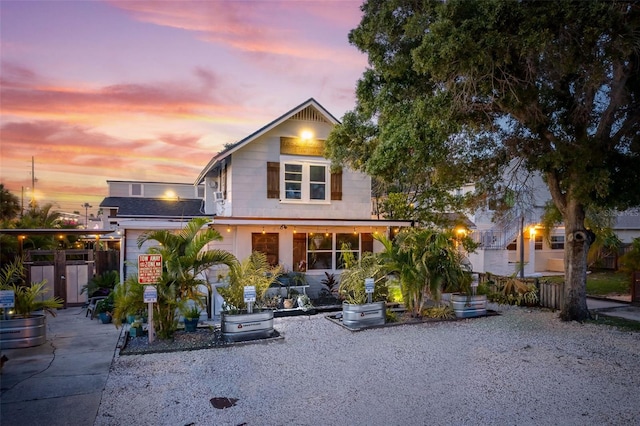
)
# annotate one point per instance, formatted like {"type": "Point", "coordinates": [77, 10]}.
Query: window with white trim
{"type": "Point", "coordinates": [305, 181]}
{"type": "Point", "coordinates": [557, 242]}
{"type": "Point", "coordinates": [136, 190]}
{"type": "Point", "coordinates": [325, 250]}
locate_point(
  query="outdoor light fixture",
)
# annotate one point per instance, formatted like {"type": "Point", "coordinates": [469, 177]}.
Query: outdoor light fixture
{"type": "Point", "coordinates": [306, 135]}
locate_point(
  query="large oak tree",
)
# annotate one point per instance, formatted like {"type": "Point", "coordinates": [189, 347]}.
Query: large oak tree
{"type": "Point", "coordinates": [456, 90]}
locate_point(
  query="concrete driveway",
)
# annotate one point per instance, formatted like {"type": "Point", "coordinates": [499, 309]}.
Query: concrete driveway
{"type": "Point", "coordinates": [60, 382]}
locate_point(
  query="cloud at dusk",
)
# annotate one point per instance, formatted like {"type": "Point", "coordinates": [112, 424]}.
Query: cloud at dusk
{"type": "Point", "coordinates": [147, 90]}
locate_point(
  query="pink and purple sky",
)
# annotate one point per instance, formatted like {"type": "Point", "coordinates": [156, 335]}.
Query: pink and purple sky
{"type": "Point", "coordinates": [151, 90]}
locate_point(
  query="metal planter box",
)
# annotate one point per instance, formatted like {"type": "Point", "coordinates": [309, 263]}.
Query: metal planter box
{"type": "Point", "coordinates": [465, 306]}
{"type": "Point", "coordinates": [365, 315]}
{"type": "Point", "coordinates": [241, 327]}
{"type": "Point", "coordinates": [23, 332]}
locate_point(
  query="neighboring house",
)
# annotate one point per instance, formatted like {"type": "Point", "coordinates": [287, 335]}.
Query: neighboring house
{"type": "Point", "coordinates": [273, 192]}
{"type": "Point", "coordinates": [503, 243]}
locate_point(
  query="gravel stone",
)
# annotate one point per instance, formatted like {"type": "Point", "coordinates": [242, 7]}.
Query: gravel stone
{"type": "Point", "coordinates": [523, 367]}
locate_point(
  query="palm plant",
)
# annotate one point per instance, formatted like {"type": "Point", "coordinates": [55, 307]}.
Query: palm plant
{"type": "Point", "coordinates": [28, 298]}
{"type": "Point", "coordinates": [253, 271]}
{"type": "Point", "coordinates": [101, 285]}
{"type": "Point", "coordinates": [424, 261]}
{"type": "Point", "coordinates": [352, 288]}
{"type": "Point", "coordinates": [185, 260]}
{"type": "Point", "coordinates": [128, 299]}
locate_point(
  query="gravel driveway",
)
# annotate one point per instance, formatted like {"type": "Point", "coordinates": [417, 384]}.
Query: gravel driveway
{"type": "Point", "coordinates": [524, 367]}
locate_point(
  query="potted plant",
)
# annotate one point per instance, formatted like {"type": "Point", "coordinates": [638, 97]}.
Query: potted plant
{"type": "Point", "coordinates": [104, 309]}
{"type": "Point", "coordinates": [23, 326]}
{"type": "Point", "coordinates": [135, 330]}
{"type": "Point", "coordinates": [468, 302]}
{"type": "Point", "coordinates": [236, 322]}
{"type": "Point", "coordinates": [191, 318]}
{"type": "Point", "coordinates": [357, 311]}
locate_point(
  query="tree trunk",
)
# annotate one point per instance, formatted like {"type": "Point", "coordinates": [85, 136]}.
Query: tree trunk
{"type": "Point", "coordinates": [577, 242]}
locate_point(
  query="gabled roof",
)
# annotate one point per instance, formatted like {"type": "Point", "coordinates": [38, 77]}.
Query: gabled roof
{"type": "Point", "coordinates": [154, 207]}
{"type": "Point", "coordinates": [230, 150]}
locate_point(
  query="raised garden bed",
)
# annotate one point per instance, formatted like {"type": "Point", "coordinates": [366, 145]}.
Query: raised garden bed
{"type": "Point", "coordinates": [403, 319]}
{"type": "Point", "coordinates": [202, 338]}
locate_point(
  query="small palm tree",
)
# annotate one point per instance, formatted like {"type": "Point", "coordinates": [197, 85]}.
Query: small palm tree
{"type": "Point", "coordinates": [424, 260]}
{"type": "Point", "coordinates": [185, 260]}
{"type": "Point", "coordinates": [253, 271]}
{"type": "Point", "coordinates": [28, 298]}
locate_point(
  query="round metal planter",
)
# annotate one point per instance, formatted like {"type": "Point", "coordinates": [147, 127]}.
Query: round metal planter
{"type": "Point", "coordinates": [365, 315]}
{"type": "Point", "coordinates": [240, 327]}
{"type": "Point", "coordinates": [465, 306]}
{"type": "Point", "coordinates": [23, 332]}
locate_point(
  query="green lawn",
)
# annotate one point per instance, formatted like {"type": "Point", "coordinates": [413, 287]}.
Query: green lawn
{"type": "Point", "coordinates": [603, 282]}
{"type": "Point", "coordinates": [606, 282]}
{"type": "Point", "coordinates": [620, 323]}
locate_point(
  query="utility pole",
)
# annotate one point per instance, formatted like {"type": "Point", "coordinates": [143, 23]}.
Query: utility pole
{"type": "Point", "coordinates": [86, 206]}
{"type": "Point", "coordinates": [33, 183]}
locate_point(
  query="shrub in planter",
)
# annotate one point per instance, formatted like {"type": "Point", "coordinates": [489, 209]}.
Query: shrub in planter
{"type": "Point", "coordinates": [104, 309]}
{"type": "Point", "coordinates": [191, 319]}
{"type": "Point", "coordinates": [28, 298]}
{"type": "Point", "coordinates": [356, 312]}
{"type": "Point", "coordinates": [24, 325]}
{"type": "Point", "coordinates": [236, 324]}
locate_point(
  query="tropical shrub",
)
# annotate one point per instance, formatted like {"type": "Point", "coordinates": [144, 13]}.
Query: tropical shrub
{"type": "Point", "coordinates": [630, 261]}
{"type": "Point", "coordinates": [101, 285]}
{"type": "Point", "coordinates": [28, 298]}
{"type": "Point", "coordinates": [352, 288]}
{"type": "Point", "coordinates": [128, 299]}
{"type": "Point", "coordinates": [253, 271]}
{"type": "Point", "coordinates": [424, 261]}
{"type": "Point", "coordinates": [185, 261]}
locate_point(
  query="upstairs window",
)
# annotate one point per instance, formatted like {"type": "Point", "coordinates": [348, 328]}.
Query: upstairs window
{"type": "Point", "coordinates": [136, 190]}
{"type": "Point", "coordinates": [293, 181]}
{"type": "Point", "coordinates": [305, 182]}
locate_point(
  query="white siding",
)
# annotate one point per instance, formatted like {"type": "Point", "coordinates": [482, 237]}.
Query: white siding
{"type": "Point", "coordinates": [248, 187]}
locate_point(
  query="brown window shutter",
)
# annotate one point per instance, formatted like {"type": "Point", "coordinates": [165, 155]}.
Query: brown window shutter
{"type": "Point", "coordinates": [273, 180]}
{"type": "Point", "coordinates": [336, 185]}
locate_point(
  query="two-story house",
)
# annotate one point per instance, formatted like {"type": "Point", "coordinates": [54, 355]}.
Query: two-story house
{"type": "Point", "coordinates": [273, 191]}
{"type": "Point", "coordinates": [505, 242]}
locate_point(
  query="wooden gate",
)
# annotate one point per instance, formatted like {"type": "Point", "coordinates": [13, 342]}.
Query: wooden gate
{"type": "Point", "coordinates": [66, 272]}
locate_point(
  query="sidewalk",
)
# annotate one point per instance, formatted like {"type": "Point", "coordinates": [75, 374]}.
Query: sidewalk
{"type": "Point", "coordinates": [614, 308]}
{"type": "Point", "coordinates": [60, 382]}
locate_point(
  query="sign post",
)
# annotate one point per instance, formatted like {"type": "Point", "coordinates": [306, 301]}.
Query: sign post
{"type": "Point", "coordinates": [249, 297]}
{"type": "Point", "coordinates": [7, 300]}
{"type": "Point", "coordinates": [369, 286]}
{"type": "Point", "coordinates": [149, 273]}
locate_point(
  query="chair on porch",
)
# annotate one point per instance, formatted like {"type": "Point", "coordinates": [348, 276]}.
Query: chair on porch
{"type": "Point", "coordinates": [91, 305]}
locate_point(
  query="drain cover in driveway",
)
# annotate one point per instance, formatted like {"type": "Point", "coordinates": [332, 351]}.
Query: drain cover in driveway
{"type": "Point", "coordinates": [221, 402]}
